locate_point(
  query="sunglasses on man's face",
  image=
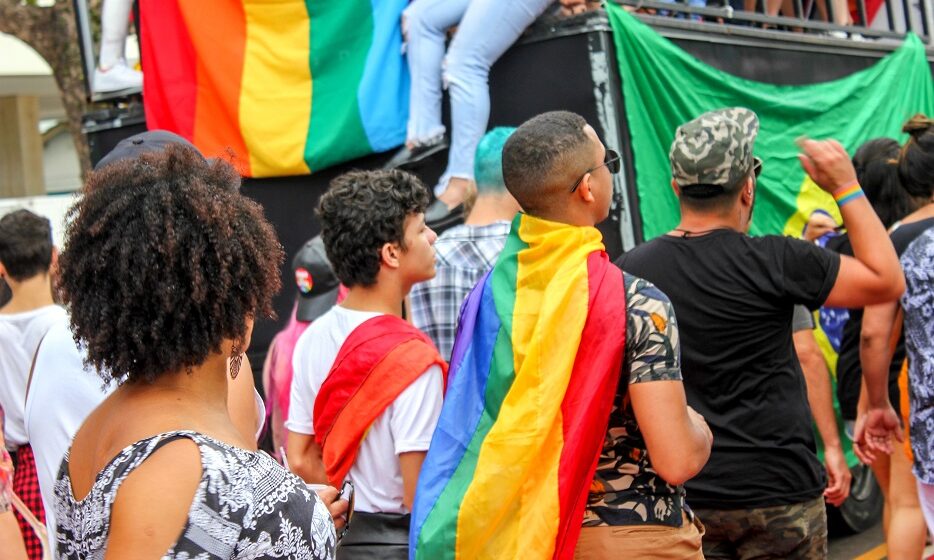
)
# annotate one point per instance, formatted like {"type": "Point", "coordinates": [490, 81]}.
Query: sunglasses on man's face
{"type": "Point", "coordinates": [612, 162]}
{"type": "Point", "coordinates": [756, 166]}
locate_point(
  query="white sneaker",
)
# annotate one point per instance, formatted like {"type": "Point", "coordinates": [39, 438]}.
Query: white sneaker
{"type": "Point", "coordinates": [117, 77]}
{"type": "Point", "coordinates": [836, 34]}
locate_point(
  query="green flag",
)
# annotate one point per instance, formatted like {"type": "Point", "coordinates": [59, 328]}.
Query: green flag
{"type": "Point", "coordinates": [664, 86]}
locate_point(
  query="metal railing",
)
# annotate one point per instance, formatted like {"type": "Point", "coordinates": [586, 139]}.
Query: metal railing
{"type": "Point", "coordinates": [893, 19]}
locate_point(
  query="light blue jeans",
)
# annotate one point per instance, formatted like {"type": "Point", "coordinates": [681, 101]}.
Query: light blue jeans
{"type": "Point", "coordinates": [486, 29]}
{"type": "Point", "coordinates": [693, 3]}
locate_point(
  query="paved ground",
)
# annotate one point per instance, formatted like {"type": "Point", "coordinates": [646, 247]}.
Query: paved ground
{"type": "Point", "coordinates": [868, 545]}
{"type": "Point", "coordinates": [864, 546]}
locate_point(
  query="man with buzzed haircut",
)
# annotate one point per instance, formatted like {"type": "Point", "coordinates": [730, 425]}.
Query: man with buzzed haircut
{"type": "Point", "coordinates": [760, 495]}
{"type": "Point", "coordinates": [565, 430]}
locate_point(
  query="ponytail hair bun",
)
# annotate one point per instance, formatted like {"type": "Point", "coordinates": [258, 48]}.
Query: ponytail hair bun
{"type": "Point", "coordinates": [916, 160]}
{"type": "Point", "coordinates": [917, 126]}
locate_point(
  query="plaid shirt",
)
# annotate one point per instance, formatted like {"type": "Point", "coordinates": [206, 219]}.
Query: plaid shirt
{"type": "Point", "coordinates": [463, 255]}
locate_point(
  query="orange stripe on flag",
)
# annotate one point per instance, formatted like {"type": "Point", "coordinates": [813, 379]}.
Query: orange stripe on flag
{"type": "Point", "coordinates": [403, 365]}
{"type": "Point", "coordinates": [219, 37]}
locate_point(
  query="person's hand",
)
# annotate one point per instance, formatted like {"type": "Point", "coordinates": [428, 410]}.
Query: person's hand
{"type": "Point", "coordinates": [838, 476]}
{"type": "Point", "coordinates": [858, 429]}
{"type": "Point", "coordinates": [874, 431]}
{"type": "Point", "coordinates": [701, 424]}
{"type": "Point", "coordinates": [337, 508]}
{"type": "Point", "coordinates": [573, 7]}
{"type": "Point", "coordinates": [818, 225]}
{"type": "Point", "coordinates": [827, 163]}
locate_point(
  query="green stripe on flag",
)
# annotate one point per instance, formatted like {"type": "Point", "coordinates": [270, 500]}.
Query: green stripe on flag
{"type": "Point", "coordinates": [446, 510]}
{"type": "Point", "coordinates": [341, 36]}
{"type": "Point", "coordinates": [663, 87]}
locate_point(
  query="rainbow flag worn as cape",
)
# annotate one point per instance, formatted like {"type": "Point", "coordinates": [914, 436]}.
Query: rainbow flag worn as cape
{"type": "Point", "coordinates": [534, 372]}
{"type": "Point", "coordinates": [286, 87]}
{"type": "Point", "coordinates": [379, 360]}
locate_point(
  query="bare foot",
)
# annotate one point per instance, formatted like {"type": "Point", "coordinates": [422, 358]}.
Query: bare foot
{"type": "Point", "coordinates": [457, 191]}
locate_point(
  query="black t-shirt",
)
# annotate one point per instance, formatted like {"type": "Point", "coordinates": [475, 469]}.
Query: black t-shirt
{"type": "Point", "coordinates": [849, 371]}
{"type": "Point", "coordinates": [734, 298]}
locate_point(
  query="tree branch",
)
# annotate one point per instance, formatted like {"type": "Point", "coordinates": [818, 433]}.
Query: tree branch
{"type": "Point", "coordinates": [52, 32]}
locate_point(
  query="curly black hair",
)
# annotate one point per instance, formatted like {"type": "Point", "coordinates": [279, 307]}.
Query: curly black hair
{"type": "Point", "coordinates": [163, 260]}
{"type": "Point", "coordinates": [25, 244]}
{"type": "Point", "coordinates": [361, 212]}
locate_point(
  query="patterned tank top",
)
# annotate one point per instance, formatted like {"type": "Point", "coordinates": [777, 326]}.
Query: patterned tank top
{"type": "Point", "coordinates": [246, 506]}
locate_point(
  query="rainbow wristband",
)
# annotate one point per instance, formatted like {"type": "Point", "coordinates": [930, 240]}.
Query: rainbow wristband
{"type": "Point", "coordinates": [848, 194]}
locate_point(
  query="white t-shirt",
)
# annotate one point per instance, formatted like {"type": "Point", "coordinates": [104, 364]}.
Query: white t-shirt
{"type": "Point", "coordinates": [260, 413]}
{"type": "Point", "coordinates": [63, 393]}
{"type": "Point", "coordinates": [20, 334]}
{"type": "Point", "coordinates": [406, 425]}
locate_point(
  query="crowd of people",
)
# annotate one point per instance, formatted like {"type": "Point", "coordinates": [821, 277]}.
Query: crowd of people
{"type": "Point", "coordinates": [482, 31]}
{"type": "Point", "coordinates": [500, 390]}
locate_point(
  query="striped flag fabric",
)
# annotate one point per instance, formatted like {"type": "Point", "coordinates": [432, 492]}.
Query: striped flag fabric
{"type": "Point", "coordinates": [664, 86]}
{"type": "Point", "coordinates": [281, 87]}
{"type": "Point", "coordinates": [379, 360]}
{"type": "Point", "coordinates": [534, 372]}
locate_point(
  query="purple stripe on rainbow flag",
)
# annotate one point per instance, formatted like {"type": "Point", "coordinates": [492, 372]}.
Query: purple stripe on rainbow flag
{"type": "Point", "coordinates": [468, 320]}
{"type": "Point", "coordinates": [457, 423]}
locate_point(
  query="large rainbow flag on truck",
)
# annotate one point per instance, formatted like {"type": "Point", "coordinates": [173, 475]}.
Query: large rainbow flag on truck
{"type": "Point", "coordinates": [281, 87]}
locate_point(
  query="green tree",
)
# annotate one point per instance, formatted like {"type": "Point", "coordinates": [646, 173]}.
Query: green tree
{"type": "Point", "coordinates": [52, 32]}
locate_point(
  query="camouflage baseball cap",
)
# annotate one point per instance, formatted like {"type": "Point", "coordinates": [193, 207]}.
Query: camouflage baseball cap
{"type": "Point", "coordinates": [714, 149]}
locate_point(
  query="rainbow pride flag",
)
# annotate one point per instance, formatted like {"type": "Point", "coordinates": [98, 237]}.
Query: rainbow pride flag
{"type": "Point", "coordinates": [534, 372]}
{"type": "Point", "coordinates": [285, 87]}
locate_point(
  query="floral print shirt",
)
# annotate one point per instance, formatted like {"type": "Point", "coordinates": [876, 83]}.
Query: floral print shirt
{"type": "Point", "coordinates": [918, 304]}
{"type": "Point", "coordinates": [626, 490]}
{"type": "Point", "coordinates": [246, 506]}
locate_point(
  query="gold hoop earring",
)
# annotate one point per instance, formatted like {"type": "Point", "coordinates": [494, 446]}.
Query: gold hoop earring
{"type": "Point", "coordinates": [235, 361]}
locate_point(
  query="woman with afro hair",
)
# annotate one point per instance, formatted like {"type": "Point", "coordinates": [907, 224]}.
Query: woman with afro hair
{"type": "Point", "coordinates": [166, 265]}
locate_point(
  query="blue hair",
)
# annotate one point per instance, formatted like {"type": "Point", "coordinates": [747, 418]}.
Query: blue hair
{"type": "Point", "coordinates": [488, 163]}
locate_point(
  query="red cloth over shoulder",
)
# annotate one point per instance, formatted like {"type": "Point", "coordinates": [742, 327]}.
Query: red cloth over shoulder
{"type": "Point", "coordinates": [377, 362]}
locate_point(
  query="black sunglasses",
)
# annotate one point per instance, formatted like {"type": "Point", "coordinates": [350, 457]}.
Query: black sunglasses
{"type": "Point", "coordinates": [756, 166]}
{"type": "Point", "coordinates": [612, 162]}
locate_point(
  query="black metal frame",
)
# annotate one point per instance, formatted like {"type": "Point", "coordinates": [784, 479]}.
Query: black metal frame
{"type": "Point", "coordinates": [803, 13]}
{"type": "Point", "coordinates": [89, 55]}
{"type": "Point", "coordinates": [625, 207]}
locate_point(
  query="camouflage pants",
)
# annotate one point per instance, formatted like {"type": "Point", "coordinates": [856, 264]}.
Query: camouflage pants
{"type": "Point", "coordinates": [793, 531]}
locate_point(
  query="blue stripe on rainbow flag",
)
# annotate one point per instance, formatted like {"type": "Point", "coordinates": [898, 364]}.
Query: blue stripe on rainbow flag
{"type": "Point", "coordinates": [457, 424]}
{"type": "Point", "coordinates": [383, 95]}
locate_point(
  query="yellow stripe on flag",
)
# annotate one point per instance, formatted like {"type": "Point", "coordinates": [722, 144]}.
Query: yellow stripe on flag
{"type": "Point", "coordinates": [877, 553]}
{"type": "Point", "coordinates": [549, 315]}
{"type": "Point", "coordinates": [275, 96]}
{"type": "Point", "coordinates": [810, 198]}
